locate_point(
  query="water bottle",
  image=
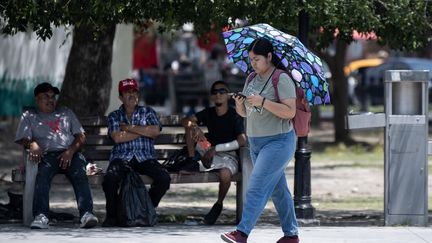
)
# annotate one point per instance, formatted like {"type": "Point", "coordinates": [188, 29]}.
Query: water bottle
{"type": "Point", "coordinates": [203, 146]}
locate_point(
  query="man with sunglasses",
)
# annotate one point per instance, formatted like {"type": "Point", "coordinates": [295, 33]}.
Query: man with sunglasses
{"type": "Point", "coordinates": [225, 134]}
{"type": "Point", "coordinates": [53, 135]}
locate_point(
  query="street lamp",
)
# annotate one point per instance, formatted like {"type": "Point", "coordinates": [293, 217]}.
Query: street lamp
{"type": "Point", "coordinates": [302, 168]}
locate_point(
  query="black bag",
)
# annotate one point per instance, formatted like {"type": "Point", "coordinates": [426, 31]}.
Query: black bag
{"type": "Point", "coordinates": [135, 205]}
{"type": "Point", "coordinates": [180, 161]}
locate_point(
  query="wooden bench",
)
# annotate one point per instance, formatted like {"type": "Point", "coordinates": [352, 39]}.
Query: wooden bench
{"type": "Point", "coordinates": [97, 150]}
{"type": "Point", "coordinates": [188, 88]}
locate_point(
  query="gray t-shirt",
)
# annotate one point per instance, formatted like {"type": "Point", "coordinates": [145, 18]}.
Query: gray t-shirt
{"type": "Point", "coordinates": [52, 131]}
{"type": "Point", "coordinates": [265, 123]}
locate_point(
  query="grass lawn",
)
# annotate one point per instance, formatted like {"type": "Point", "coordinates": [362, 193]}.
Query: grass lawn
{"type": "Point", "coordinates": [357, 156]}
{"type": "Point", "coordinates": [352, 203]}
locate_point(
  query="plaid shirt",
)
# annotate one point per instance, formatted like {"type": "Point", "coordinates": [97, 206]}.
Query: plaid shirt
{"type": "Point", "coordinates": [141, 148]}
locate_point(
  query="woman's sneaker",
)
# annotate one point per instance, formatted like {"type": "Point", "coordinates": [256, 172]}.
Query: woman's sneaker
{"type": "Point", "coordinates": [234, 237]}
{"type": "Point", "coordinates": [289, 239]}
{"type": "Point", "coordinates": [88, 220]}
{"type": "Point", "coordinates": [40, 222]}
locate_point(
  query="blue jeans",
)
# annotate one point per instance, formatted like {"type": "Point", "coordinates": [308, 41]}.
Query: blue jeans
{"type": "Point", "coordinates": [76, 173]}
{"type": "Point", "coordinates": [270, 156]}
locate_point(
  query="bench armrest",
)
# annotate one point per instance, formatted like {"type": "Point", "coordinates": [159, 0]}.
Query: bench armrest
{"type": "Point", "coordinates": [30, 179]}
{"type": "Point", "coordinates": [246, 169]}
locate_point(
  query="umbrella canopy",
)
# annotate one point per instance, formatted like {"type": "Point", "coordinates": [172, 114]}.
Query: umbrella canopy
{"type": "Point", "coordinates": [304, 67]}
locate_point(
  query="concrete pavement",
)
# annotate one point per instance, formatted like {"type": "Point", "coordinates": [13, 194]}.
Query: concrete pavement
{"type": "Point", "coordinates": [208, 234]}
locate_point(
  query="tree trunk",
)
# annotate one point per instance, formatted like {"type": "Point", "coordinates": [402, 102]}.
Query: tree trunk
{"type": "Point", "coordinates": [340, 93]}
{"type": "Point", "coordinates": [87, 83]}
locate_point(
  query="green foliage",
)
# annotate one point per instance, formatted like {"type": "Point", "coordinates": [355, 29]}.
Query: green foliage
{"type": "Point", "coordinates": [41, 16]}
{"type": "Point", "coordinates": [403, 24]}
{"type": "Point", "coordinates": [406, 24]}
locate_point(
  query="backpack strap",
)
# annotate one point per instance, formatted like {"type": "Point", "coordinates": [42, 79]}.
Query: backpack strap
{"type": "Point", "coordinates": [275, 81]}
{"type": "Point", "coordinates": [251, 76]}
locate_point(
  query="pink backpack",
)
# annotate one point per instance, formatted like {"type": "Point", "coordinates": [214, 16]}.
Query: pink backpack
{"type": "Point", "coordinates": [302, 119]}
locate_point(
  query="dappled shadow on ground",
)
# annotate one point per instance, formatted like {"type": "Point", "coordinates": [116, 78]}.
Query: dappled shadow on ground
{"type": "Point", "coordinates": [350, 218]}
{"type": "Point", "coordinates": [186, 206]}
{"type": "Point", "coordinates": [193, 216]}
{"type": "Point", "coordinates": [66, 229]}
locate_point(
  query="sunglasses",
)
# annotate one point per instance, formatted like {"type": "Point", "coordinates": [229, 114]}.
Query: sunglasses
{"type": "Point", "coordinates": [218, 91]}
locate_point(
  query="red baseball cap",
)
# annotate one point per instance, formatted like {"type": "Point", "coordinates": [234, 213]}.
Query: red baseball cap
{"type": "Point", "coordinates": [127, 84]}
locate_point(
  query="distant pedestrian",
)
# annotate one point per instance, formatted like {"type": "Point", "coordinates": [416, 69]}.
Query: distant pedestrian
{"type": "Point", "coordinates": [272, 142]}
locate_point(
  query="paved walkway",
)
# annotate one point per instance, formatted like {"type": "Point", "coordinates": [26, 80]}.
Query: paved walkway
{"type": "Point", "coordinates": [206, 234]}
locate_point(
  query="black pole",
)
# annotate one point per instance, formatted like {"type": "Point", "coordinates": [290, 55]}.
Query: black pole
{"type": "Point", "coordinates": [302, 168]}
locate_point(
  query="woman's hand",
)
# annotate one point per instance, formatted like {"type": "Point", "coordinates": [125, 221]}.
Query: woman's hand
{"type": "Point", "coordinates": [239, 104]}
{"type": "Point", "coordinates": [239, 100]}
{"type": "Point", "coordinates": [255, 100]}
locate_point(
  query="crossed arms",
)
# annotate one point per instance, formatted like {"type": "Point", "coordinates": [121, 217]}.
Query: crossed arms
{"type": "Point", "coordinates": [131, 132]}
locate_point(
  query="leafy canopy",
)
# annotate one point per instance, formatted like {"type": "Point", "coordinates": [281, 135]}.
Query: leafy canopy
{"type": "Point", "coordinates": [403, 24]}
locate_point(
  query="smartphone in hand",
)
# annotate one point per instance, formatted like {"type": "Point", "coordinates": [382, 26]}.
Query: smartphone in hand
{"type": "Point", "coordinates": [238, 95]}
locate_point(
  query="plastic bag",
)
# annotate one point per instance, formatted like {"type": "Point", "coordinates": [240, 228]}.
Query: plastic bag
{"type": "Point", "coordinates": [135, 205]}
{"type": "Point", "coordinates": [179, 161]}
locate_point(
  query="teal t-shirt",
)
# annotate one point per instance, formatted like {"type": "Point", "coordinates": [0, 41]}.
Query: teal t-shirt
{"type": "Point", "coordinates": [265, 123]}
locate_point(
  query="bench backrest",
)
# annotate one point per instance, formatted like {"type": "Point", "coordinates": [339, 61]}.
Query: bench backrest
{"type": "Point", "coordinates": [98, 145]}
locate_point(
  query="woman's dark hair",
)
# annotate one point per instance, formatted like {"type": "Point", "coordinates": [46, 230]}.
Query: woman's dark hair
{"type": "Point", "coordinates": [262, 47]}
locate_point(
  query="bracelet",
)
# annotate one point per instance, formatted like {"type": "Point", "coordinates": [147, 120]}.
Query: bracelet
{"type": "Point", "coordinates": [262, 104]}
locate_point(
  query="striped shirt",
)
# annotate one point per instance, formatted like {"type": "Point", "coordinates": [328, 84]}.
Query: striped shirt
{"type": "Point", "coordinates": [141, 148]}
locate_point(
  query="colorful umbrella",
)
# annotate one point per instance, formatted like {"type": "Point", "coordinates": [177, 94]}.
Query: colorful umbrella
{"type": "Point", "coordinates": [304, 66]}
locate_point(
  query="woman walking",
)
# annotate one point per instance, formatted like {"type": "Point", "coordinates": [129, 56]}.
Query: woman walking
{"type": "Point", "coordinates": [272, 141]}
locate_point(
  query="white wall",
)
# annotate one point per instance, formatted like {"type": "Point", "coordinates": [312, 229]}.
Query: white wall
{"type": "Point", "coordinates": [121, 66]}
{"type": "Point", "coordinates": [26, 61]}
{"type": "Point", "coordinates": [23, 56]}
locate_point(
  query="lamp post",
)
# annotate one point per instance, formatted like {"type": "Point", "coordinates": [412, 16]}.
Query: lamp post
{"type": "Point", "coordinates": [302, 168]}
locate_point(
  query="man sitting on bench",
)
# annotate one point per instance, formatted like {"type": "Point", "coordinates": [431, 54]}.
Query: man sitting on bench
{"type": "Point", "coordinates": [53, 136]}
{"type": "Point", "coordinates": [133, 129]}
{"type": "Point", "coordinates": [225, 134]}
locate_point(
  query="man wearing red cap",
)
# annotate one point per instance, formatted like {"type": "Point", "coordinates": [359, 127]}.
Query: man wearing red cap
{"type": "Point", "coordinates": [54, 136]}
{"type": "Point", "coordinates": [133, 129]}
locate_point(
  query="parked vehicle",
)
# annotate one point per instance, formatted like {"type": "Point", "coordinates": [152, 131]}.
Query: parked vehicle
{"type": "Point", "coordinates": [355, 73]}
{"type": "Point", "coordinates": [371, 91]}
